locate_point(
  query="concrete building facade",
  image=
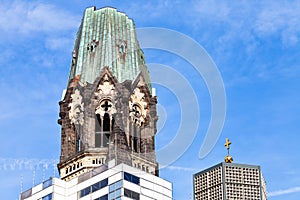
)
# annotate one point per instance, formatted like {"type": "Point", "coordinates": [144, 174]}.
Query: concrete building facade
{"type": "Point", "coordinates": [230, 181]}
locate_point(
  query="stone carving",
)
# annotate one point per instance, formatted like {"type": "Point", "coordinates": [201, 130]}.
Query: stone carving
{"type": "Point", "coordinates": [105, 106]}
{"type": "Point", "coordinates": [76, 110]}
{"type": "Point", "coordinates": [138, 107]}
{"type": "Point", "coordinates": [106, 88]}
{"type": "Point", "coordinates": [105, 92]}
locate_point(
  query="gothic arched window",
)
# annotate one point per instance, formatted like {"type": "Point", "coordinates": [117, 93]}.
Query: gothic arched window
{"type": "Point", "coordinates": [98, 131]}
{"type": "Point", "coordinates": [135, 138]}
{"type": "Point", "coordinates": [106, 129]}
{"type": "Point", "coordinates": [106, 123]}
{"type": "Point", "coordinates": [102, 130]}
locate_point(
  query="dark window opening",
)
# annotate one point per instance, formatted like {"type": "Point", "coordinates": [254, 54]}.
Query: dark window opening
{"type": "Point", "coordinates": [131, 178]}
{"type": "Point", "coordinates": [98, 131]}
{"type": "Point", "coordinates": [131, 194]}
{"type": "Point", "coordinates": [85, 191]}
{"type": "Point", "coordinates": [98, 123]}
{"type": "Point", "coordinates": [135, 138]}
{"type": "Point", "coordinates": [135, 144]}
{"type": "Point", "coordinates": [48, 197]}
{"type": "Point", "coordinates": [106, 123]}
{"type": "Point", "coordinates": [99, 185]}
{"type": "Point", "coordinates": [104, 197]}
{"type": "Point", "coordinates": [106, 130]}
{"type": "Point", "coordinates": [130, 141]}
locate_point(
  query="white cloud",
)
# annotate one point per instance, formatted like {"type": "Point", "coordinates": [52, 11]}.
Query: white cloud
{"type": "Point", "coordinates": [245, 31]}
{"type": "Point", "coordinates": [216, 10]}
{"type": "Point", "coordinates": [245, 20]}
{"type": "Point", "coordinates": [28, 17]}
{"type": "Point", "coordinates": [279, 18]}
{"type": "Point", "coordinates": [284, 192]}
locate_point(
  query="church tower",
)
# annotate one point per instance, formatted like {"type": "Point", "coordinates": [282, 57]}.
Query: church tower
{"type": "Point", "coordinates": [108, 111]}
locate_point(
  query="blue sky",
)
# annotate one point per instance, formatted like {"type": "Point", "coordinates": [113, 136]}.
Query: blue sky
{"type": "Point", "coordinates": [254, 44]}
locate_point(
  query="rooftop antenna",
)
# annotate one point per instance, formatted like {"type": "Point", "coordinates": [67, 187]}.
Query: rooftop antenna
{"type": "Point", "coordinates": [54, 169]}
{"type": "Point", "coordinates": [21, 183]}
{"type": "Point", "coordinates": [43, 178]}
{"type": "Point", "coordinates": [33, 177]}
{"type": "Point", "coordinates": [228, 158]}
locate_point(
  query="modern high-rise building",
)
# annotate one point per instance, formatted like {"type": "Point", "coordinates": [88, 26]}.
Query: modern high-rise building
{"type": "Point", "coordinates": [108, 118]}
{"type": "Point", "coordinates": [103, 183]}
{"type": "Point", "coordinates": [230, 181]}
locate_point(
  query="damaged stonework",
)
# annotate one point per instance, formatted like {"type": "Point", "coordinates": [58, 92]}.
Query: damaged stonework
{"type": "Point", "coordinates": [76, 108]}
{"type": "Point", "coordinates": [138, 107]}
{"type": "Point", "coordinates": [107, 120]}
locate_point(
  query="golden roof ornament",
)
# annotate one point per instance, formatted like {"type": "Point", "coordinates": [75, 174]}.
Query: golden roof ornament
{"type": "Point", "coordinates": [228, 158]}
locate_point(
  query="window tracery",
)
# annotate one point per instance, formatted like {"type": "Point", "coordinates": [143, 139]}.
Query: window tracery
{"type": "Point", "coordinates": [138, 107]}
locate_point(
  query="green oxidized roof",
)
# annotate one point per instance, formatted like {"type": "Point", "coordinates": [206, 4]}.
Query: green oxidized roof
{"type": "Point", "coordinates": [107, 37]}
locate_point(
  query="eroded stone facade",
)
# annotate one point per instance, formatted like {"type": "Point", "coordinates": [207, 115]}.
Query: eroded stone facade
{"type": "Point", "coordinates": [107, 120]}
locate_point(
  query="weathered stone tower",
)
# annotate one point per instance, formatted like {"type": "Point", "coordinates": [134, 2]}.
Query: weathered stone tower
{"type": "Point", "coordinates": [108, 110]}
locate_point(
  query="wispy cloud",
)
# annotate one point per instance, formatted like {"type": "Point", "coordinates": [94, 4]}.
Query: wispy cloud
{"type": "Point", "coordinates": [25, 18]}
{"type": "Point", "coordinates": [259, 19]}
{"type": "Point", "coordinates": [284, 192]}
{"type": "Point", "coordinates": [244, 31]}
{"type": "Point", "coordinates": [280, 18]}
